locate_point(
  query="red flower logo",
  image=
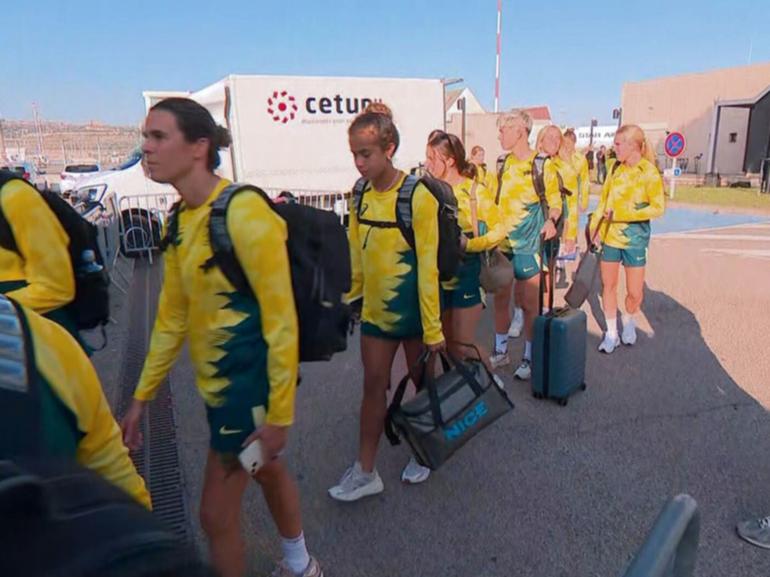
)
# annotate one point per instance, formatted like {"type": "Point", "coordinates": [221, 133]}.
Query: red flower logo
{"type": "Point", "coordinates": [281, 107]}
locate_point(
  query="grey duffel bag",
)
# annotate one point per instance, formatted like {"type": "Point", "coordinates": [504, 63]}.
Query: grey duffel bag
{"type": "Point", "coordinates": [447, 412]}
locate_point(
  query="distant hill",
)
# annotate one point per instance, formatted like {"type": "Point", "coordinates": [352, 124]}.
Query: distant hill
{"type": "Point", "coordinates": [60, 143]}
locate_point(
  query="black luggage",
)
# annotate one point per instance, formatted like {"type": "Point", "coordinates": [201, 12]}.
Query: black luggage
{"type": "Point", "coordinates": [447, 412]}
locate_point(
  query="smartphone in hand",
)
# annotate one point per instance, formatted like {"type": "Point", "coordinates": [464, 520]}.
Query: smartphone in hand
{"type": "Point", "coordinates": [252, 457]}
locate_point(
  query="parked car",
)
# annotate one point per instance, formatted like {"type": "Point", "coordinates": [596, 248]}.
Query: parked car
{"type": "Point", "coordinates": [74, 173]}
{"type": "Point", "coordinates": [27, 171]}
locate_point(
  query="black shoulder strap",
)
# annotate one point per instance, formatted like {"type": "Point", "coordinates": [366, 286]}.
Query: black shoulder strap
{"type": "Point", "coordinates": [538, 172]}
{"type": "Point", "coordinates": [19, 387]}
{"type": "Point", "coordinates": [222, 244]}
{"type": "Point", "coordinates": [404, 207]}
{"type": "Point", "coordinates": [562, 189]}
{"type": "Point", "coordinates": [614, 168]}
{"type": "Point", "coordinates": [500, 168]}
{"type": "Point", "coordinates": [358, 194]}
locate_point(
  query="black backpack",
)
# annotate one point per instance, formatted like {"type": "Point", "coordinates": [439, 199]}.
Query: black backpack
{"type": "Point", "coordinates": [58, 519]}
{"type": "Point", "coordinates": [449, 251]}
{"type": "Point", "coordinates": [319, 256]}
{"type": "Point", "coordinates": [91, 307]}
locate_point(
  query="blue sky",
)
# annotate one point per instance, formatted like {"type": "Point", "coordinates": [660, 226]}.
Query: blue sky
{"type": "Point", "coordinates": [83, 60]}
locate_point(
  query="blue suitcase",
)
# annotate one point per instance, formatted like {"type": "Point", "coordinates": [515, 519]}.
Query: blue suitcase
{"type": "Point", "coordinates": [558, 349]}
{"type": "Point", "coordinates": [559, 354]}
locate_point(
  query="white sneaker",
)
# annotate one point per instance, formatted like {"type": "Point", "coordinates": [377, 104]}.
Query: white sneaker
{"type": "Point", "coordinates": [414, 473]}
{"type": "Point", "coordinates": [524, 370]}
{"type": "Point", "coordinates": [609, 344]}
{"type": "Point", "coordinates": [628, 336]}
{"type": "Point", "coordinates": [356, 484]}
{"type": "Point", "coordinates": [499, 359]}
{"type": "Point", "coordinates": [517, 324]}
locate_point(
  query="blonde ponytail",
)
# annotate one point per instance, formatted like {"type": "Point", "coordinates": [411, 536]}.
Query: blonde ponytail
{"type": "Point", "coordinates": [647, 151]}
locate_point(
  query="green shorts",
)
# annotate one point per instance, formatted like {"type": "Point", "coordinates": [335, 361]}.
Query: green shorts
{"type": "Point", "coordinates": [630, 257]}
{"type": "Point", "coordinates": [371, 330]}
{"type": "Point", "coordinates": [242, 412]}
{"type": "Point", "coordinates": [466, 287]}
{"type": "Point", "coordinates": [526, 266]}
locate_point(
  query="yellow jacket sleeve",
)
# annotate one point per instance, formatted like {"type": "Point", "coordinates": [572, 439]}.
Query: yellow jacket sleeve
{"type": "Point", "coordinates": [585, 183]}
{"type": "Point", "coordinates": [74, 381]}
{"type": "Point", "coordinates": [357, 280]}
{"type": "Point", "coordinates": [425, 224]}
{"type": "Point", "coordinates": [490, 219]}
{"type": "Point", "coordinates": [169, 332]}
{"type": "Point", "coordinates": [653, 190]}
{"type": "Point", "coordinates": [43, 245]}
{"type": "Point", "coordinates": [259, 238]}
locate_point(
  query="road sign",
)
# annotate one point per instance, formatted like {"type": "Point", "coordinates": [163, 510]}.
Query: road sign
{"type": "Point", "coordinates": [674, 145]}
{"type": "Point", "coordinates": [677, 172]}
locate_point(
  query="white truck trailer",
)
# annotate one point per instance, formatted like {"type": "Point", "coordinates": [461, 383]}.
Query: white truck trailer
{"type": "Point", "coordinates": [289, 133]}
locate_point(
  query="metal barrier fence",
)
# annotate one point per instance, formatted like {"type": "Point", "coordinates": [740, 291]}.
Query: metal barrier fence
{"type": "Point", "coordinates": [140, 220]}
{"type": "Point", "coordinates": [337, 202]}
{"type": "Point", "coordinates": [671, 547]}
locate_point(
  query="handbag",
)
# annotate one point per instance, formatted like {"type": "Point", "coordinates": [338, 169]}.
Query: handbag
{"type": "Point", "coordinates": [496, 270]}
{"type": "Point", "coordinates": [447, 411]}
{"type": "Point", "coordinates": [587, 270]}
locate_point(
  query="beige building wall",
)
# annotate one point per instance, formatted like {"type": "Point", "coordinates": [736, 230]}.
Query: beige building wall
{"type": "Point", "coordinates": [686, 103]}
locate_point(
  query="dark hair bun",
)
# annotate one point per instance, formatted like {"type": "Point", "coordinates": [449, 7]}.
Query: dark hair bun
{"type": "Point", "coordinates": [222, 138]}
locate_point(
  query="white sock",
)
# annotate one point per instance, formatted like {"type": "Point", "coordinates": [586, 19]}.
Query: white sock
{"type": "Point", "coordinates": [528, 350]}
{"type": "Point", "coordinates": [612, 327]}
{"type": "Point", "coordinates": [501, 343]}
{"type": "Point", "coordinates": [628, 320]}
{"type": "Point", "coordinates": [518, 314]}
{"type": "Point", "coordinates": [546, 310]}
{"type": "Point", "coordinates": [295, 554]}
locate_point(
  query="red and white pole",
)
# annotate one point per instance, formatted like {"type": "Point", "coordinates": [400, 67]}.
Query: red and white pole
{"type": "Point", "coordinates": [497, 59]}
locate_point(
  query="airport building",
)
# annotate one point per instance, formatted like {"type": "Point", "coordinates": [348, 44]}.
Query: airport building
{"type": "Point", "coordinates": [724, 115]}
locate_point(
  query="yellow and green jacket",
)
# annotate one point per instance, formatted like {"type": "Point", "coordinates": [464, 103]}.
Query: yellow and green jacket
{"type": "Point", "coordinates": [235, 340]}
{"type": "Point", "coordinates": [77, 421]}
{"type": "Point", "coordinates": [40, 276]}
{"type": "Point", "coordinates": [520, 205]}
{"type": "Point", "coordinates": [580, 164]}
{"type": "Point", "coordinates": [399, 285]}
{"type": "Point", "coordinates": [634, 194]}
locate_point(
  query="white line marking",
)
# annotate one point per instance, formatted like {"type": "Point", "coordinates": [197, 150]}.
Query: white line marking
{"type": "Point", "coordinates": [761, 254]}
{"type": "Point", "coordinates": [744, 237]}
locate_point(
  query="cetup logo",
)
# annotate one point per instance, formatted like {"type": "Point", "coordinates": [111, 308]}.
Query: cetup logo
{"type": "Point", "coordinates": [282, 107]}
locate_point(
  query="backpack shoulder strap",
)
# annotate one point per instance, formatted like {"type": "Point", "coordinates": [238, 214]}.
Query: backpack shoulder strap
{"type": "Point", "coordinates": [500, 168]}
{"type": "Point", "coordinates": [358, 194]}
{"type": "Point", "coordinates": [615, 168]}
{"type": "Point", "coordinates": [222, 244]}
{"type": "Point", "coordinates": [19, 387]}
{"type": "Point", "coordinates": [404, 206]}
{"type": "Point", "coordinates": [562, 189]}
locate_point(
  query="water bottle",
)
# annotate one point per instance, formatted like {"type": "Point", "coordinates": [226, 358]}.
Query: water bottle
{"type": "Point", "coordinates": [88, 264]}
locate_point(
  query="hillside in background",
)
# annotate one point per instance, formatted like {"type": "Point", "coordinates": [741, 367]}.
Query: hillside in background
{"type": "Point", "coordinates": [51, 144]}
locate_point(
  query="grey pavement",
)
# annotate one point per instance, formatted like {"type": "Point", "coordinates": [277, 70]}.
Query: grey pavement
{"type": "Point", "coordinates": [550, 491]}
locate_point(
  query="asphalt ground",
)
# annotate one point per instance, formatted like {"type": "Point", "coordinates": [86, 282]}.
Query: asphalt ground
{"type": "Point", "coordinates": [553, 491]}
